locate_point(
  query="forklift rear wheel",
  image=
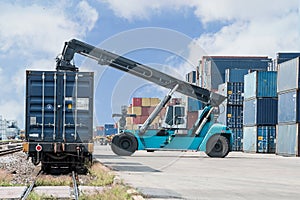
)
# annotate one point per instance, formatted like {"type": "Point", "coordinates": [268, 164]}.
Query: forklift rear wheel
{"type": "Point", "coordinates": [124, 144]}
{"type": "Point", "coordinates": [217, 146]}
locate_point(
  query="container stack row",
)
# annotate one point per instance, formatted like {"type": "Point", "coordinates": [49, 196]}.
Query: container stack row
{"type": "Point", "coordinates": [288, 137]}
{"type": "Point", "coordinates": [231, 110]}
{"type": "Point", "coordinates": [143, 107]}
{"type": "Point", "coordinates": [260, 112]}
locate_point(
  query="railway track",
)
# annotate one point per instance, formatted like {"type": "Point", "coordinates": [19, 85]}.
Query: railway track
{"type": "Point", "coordinates": [10, 148]}
{"type": "Point", "coordinates": [75, 191]}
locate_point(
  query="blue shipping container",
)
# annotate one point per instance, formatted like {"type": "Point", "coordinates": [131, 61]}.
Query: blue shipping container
{"type": "Point", "coordinates": [235, 75]}
{"type": "Point", "coordinates": [288, 75]}
{"type": "Point", "coordinates": [288, 140]}
{"type": "Point", "coordinates": [266, 137]}
{"type": "Point", "coordinates": [288, 107]}
{"type": "Point", "coordinates": [237, 138]}
{"type": "Point", "coordinates": [260, 84]}
{"type": "Point", "coordinates": [110, 131]}
{"type": "Point", "coordinates": [231, 116]}
{"type": "Point", "coordinates": [262, 111]}
{"type": "Point", "coordinates": [194, 105]}
{"type": "Point", "coordinates": [233, 91]}
{"type": "Point", "coordinates": [59, 106]}
{"type": "Point", "coordinates": [108, 126]}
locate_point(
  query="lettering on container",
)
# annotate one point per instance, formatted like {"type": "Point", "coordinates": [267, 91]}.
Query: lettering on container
{"type": "Point", "coordinates": [82, 103]}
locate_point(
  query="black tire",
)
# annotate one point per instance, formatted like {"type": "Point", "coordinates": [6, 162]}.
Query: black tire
{"type": "Point", "coordinates": [124, 144]}
{"type": "Point", "coordinates": [217, 146]}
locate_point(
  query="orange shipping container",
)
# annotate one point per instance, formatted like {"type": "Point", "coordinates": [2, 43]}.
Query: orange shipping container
{"type": "Point", "coordinates": [137, 110]}
{"type": "Point", "coordinates": [154, 101]}
{"type": "Point", "coordinates": [146, 102]}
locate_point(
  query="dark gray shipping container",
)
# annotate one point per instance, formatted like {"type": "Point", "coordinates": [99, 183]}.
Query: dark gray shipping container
{"type": "Point", "coordinates": [59, 107]}
{"type": "Point", "coordinates": [288, 75]}
{"type": "Point", "coordinates": [288, 107]}
{"type": "Point", "coordinates": [260, 111]}
{"type": "Point", "coordinates": [260, 84]}
{"type": "Point", "coordinates": [288, 140]}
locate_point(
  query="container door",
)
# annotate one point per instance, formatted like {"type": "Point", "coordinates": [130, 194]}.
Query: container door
{"type": "Point", "coordinates": [272, 139]}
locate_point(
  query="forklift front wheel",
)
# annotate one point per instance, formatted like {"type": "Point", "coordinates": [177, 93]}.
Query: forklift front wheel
{"type": "Point", "coordinates": [217, 146]}
{"type": "Point", "coordinates": [124, 144]}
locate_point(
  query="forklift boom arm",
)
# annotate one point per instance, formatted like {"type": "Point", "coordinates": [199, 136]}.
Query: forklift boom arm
{"type": "Point", "coordinates": [104, 57]}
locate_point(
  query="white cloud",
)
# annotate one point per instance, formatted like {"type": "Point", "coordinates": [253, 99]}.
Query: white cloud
{"type": "Point", "coordinates": [144, 9]}
{"type": "Point", "coordinates": [31, 36]}
{"type": "Point", "coordinates": [251, 27]}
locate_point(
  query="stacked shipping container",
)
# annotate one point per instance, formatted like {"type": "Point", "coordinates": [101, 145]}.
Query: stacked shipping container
{"type": "Point", "coordinates": [143, 107]}
{"type": "Point", "coordinates": [231, 111]}
{"type": "Point", "coordinates": [212, 68]}
{"type": "Point", "coordinates": [260, 112]}
{"type": "Point", "coordinates": [288, 137]}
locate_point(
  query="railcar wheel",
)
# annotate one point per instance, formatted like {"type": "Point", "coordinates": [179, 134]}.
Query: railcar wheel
{"type": "Point", "coordinates": [217, 146]}
{"type": "Point", "coordinates": [124, 144]}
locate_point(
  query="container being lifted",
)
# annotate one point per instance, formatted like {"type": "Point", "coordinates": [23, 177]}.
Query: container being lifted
{"type": "Point", "coordinates": [215, 139]}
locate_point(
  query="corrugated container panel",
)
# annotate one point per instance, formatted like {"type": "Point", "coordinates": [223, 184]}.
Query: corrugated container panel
{"type": "Point", "coordinates": [285, 56]}
{"type": "Point", "coordinates": [193, 104]}
{"type": "Point", "coordinates": [154, 101]}
{"type": "Point", "coordinates": [262, 111]}
{"type": "Point", "coordinates": [129, 109]}
{"type": "Point", "coordinates": [231, 116]}
{"type": "Point", "coordinates": [235, 75]}
{"type": "Point", "coordinates": [109, 126]}
{"type": "Point", "coordinates": [136, 101]}
{"type": "Point", "coordinates": [266, 137]}
{"type": "Point", "coordinates": [288, 75]}
{"type": "Point", "coordinates": [51, 100]}
{"type": "Point", "coordinates": [137, 110]}
{"type": "Point", "coordinates": [147, 110]}
{"type": "Point", "coordinates": [191, 118]}
{"type": "Point", "coordinates": [250, 139]}
{"type": "Point", "coordinates": [146, 102]}
{"type": "Point", "coordinates": [288, 107]}
{"type": "Point", "coordinates": [260, 84]}
{"type": "Point", "coordinates": [233, 91]}
{"type": "Point", "coordinates": [237, 139]}
{"type": "Point", "coordinates": [110, 131]}
{"type": "Point", "coordinates": [288, 140]}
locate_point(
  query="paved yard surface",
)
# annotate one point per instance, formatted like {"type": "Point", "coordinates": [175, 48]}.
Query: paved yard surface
{"type": "Point", "coordinates": [193, 175]}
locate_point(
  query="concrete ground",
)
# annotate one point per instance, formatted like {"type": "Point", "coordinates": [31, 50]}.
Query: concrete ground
{"type": "Point", "coordinates": [193, 175]}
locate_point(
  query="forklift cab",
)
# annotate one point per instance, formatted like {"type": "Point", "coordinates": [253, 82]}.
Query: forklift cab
{"type": "Point", "coordinates": [175, 117]}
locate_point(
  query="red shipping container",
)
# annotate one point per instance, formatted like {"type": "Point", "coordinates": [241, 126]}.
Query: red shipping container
{"type": "Point", "coordinates": [137, 120]}
{"type": "Point", "coordinates": [100, 128]}
{"type": "Point", "coordinates": [143, 119]}
{"type": "Point", "coordinates": [147, 110]}
{"type": "Point", "coordinates": [136, 101]}
{"type": "Point", "coordinates": [191, 119]}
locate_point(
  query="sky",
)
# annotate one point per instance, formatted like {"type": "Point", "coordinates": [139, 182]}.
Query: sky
{"type": "Point", "coordinates": [169, 35]}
